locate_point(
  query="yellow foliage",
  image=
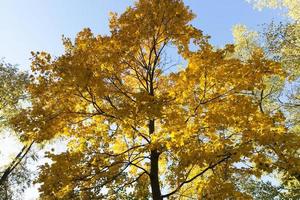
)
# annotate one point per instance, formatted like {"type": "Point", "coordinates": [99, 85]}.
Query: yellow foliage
{"type": "Point", "coordinates": [132, 126]}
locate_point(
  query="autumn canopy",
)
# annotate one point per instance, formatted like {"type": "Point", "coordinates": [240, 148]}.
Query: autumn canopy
{"type": "Point", "coordinates": [140, 126]}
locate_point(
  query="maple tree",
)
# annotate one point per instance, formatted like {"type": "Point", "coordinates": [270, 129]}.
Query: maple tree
{"type": "Point", "coordinates": [137, 130]}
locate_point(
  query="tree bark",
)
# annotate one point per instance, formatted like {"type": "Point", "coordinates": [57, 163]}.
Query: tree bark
{"type": "Point", "coordinates": [154, 179]}
{"type": "Point", "coordinates": [17, 160]}
{"type": "Point", "coordinates": [154, 153]}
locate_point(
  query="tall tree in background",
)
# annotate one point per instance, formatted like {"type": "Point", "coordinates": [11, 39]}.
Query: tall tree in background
{"type": "Point", "coordinates": [14, 177]}
{"type": "Point", "coordinates": [12, 89]}
{"type": "Point", "coordinates": [292, 6]}
{"type": "Point", "coordinates": [137, 129]}
{"type": "Point", "coordinates": [282, 43]}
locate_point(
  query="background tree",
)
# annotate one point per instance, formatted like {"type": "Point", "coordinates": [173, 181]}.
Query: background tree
{"type": "Point", "coordinates": [292, 6]}
{"type": "Point", "coordinates": [282, 43]}
{"type": "Point", "coordinates": [12, 88]}
{"type": "Point", "coordinates": [137, 129]}
{"type": "Point", "coordinates": [265, 190]}
{"type": "Point", "coordinates": [14, 177]}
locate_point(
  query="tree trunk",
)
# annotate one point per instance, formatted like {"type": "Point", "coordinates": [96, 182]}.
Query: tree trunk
{"type": "Point", "coordinates": [154, 154]}
{"type": "Point", "coordinates": [17, 160]}
{"type": "Point", "coordinates": [154, 179]}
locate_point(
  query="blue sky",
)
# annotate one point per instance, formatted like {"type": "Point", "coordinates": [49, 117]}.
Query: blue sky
{"type": "Point", "coordinates": [35, 25]}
